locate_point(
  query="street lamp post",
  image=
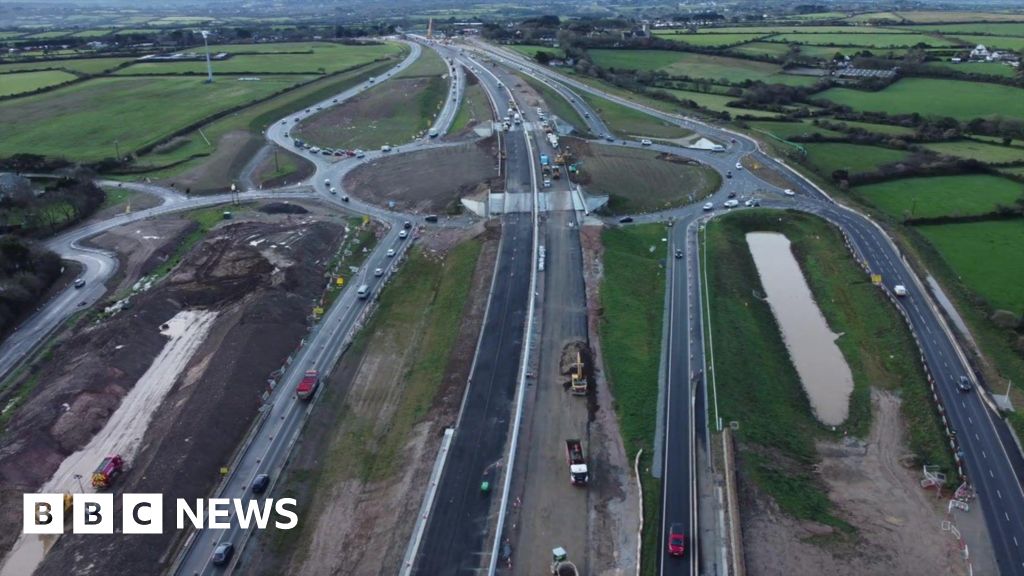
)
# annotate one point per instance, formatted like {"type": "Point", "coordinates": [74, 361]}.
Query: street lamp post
{"type": "Point", "coordinates": [81, 488]}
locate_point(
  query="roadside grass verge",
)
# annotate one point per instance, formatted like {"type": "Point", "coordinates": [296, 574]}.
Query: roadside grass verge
{"type": "Point", "coordinates": [632, 301]}
{"type": "Point", "coordinates": [474, 108]}
{"type": "Point", "coordinates": [559, 106]}
{"type": "Point", "coordinates": [359, 240]}
{"type": "Point", "coordinates": [628, 123]}
{"type": "Point", "coordinates": [763, 392]}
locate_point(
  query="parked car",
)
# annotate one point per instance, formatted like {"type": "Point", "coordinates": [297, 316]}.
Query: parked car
{"type": "Point", "coordinates": [260, 483]}
{"type": "Point", "coordinates": [222, 554]}
{"type": "Point", "coordinates": [676, 540]}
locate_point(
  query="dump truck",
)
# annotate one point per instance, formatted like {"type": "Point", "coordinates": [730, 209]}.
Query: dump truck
{"type": "Point", "coordinates": [108, 470]}
{"type": "Point", "coordinates": [577, 463]}
{"type": "Point", "coordinates": [307, 386]}
{"type": "Point", "coordinates": [544, 160]}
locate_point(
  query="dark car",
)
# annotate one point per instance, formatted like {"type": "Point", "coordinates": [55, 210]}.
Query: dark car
{"type": "Point", "coordinates": [609, 138]}
{"type": "Point", "coordinates": [679, 253]}
{"type": "Point", "coordinates": [732, 194]}
{"type": "Point", "coordinates": [79, 282]}
{"type": "Point", "coordinates": [728, 174]}
{"type": "Point", "coordinates": [964, 385]}
{"type": "Point", "coordinates": [625, 220]}
{"type": "Point", "coordinates": [222, 554]}
{"type": "Point", "coordinates": [430, 218]}
{"type": "Point", "coordinates": [260, 483]}
{"type": "Point", "coordinates": [676, 540]}
{"type": "Point", "coordinates": [407, 225]}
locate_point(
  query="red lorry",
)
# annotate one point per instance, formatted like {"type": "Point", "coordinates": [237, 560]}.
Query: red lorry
{"type": "Point", "coordinates": [109, 469]}
{"type": "Point", "coordinates": [578, 474]}
{"type": "Point", "coordinates": [307, 386]}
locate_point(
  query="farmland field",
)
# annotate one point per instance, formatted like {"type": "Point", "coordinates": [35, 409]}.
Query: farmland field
{"type": "Point", "coordinates": [827, 157]}
{"type": "Point", "coordinates": [83, 65]}
{"type": "Point", "coordinates": [999, 29]}
{"type": "Point", "coordinates": [529, 50]}
{"type": "Point", "coordinates": [958, 99]}
{"type": "Point", "coordinates": [878, 128]}
{"type": "Point", "coordinates": [628, 122]}
{"type": "Point", "coordinates": [785, 130]}
{"type": "Point", "coordinates": [790, 29]}
{"type": "Point", "coordinates": [78, 121]}
{"type": "Point", "coordinates": [990, 68]}
{"type": "Point", "coordinates": [697, 66]}
{"type": "Point", "coordinates": [28, 81]}
{"type": "Point", "coordinates": [962, 195]}
{"type": "Point", "coordinates": [992, 153]}
{"type": "Point", "coordinates": [924, 17]}
{"type": "Point", "coordinates": [718, 103]}
{"type": "Point", "coordinates": [866, 40]}
{"type": "Point", "coordinates": [998, 276]}
{"type": "Point", "coordinates": [709, 39]}
{"type": "Point", "coordinates": [776, 49]}
{"type": "Point", "coordinates": [324, 57]}
{"type": "Point", "coordinates": [1001, 42]}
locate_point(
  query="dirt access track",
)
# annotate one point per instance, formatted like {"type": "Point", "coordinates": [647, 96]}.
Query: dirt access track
{"type": "Point", "coordinates": [259, 277]}
{"type": "Point", "coordinates": [898, 522]}
{"type": "Point", "coordinates": [428, 181]}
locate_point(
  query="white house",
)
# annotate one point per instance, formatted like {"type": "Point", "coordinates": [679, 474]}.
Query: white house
{"type": "Point", "coordinates": [980, 52]}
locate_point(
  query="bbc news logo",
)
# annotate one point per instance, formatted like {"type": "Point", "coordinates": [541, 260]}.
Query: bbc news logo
{"type": "Point", "coordinates": [144, 513]}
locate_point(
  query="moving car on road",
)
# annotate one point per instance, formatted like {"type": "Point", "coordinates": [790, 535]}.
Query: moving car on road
{"type": "Point", "coordinates": [676, 540]}
{"type": "Point", "coordinates": [222, 554]}
{"type": "Point", "coordinates": [645, 142]}
{"type": "Point", "coordinates": [964, 385]}
{"type": "Point", "coordinates": [260, 483]}
{"type": "Point", "coordinates": [789, 192]}
{"type": "Point", "coordinates": [391, 252]}
{"type": "Point", "coordinates": [79, 282]}
{"type": "Point", "coordinates": [708, 206]}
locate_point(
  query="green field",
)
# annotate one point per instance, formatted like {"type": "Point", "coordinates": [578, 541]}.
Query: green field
{"type": "Point", "coordinates": [827, 157]}
{"type": "Point", "coordinates": [530, 50]}
{"type": "Point", "coordinates": [475, 107]}
{"type": "Point", "coordinates": [865, 40]}
{"type": "Point", "coordinates": [627, 122]}
{"type": "Point", "coordinates": [83, 121]}
{"type": "Point", "coordinates": [777, 429]}
{"type": "Point", "coordinates": [394, 112]}
{"type": "Point", "coordinates": [994, 42]}
{"type": "Point", "coordinates": [774, 49]}
{"type": "Point", "coordinates": [82, 65]}
{"type": "Point", "coordinates": [990, 68]}
{"type": "Point", "coordinates": [324, 58]}
{"type": "Point", "coordinates": [962, 195]}
{"type": "Point", "coordinates": [992, 153]}
{"type": "Point", "coordinates": [932, 97]}
{"type": "Point", "coordinates": [999, 275]}
{"type": "Point", "coordinates": [697, 66]}
{"type": "Point", "coordinates": [28, 81]}
{"type": "Point", "coordinates": [787, 130]}
{"type": "Point", "coordinates": [708, 39]}
{"type": "Point", "coordinates": [791, 29]}
{"type": "Point", "coordinates": [878, 128]}
{"type": "Point", "coordinates": [717, 103]}
{"type": "Point", "coordinates": [996, 28]}
{"type": "Point", "coordinates": [639, 181]}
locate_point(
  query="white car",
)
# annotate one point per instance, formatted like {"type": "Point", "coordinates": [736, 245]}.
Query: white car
{"type": "Point", "coordinates": [709, 207]}
{"type": "Point", "coordinates": [378, 272]}
{"type": "Point", "coordinates": [333, 191]}
{"type": "Point", "coordinates": [789, 192]}
{"type": "Point", "coordinates": [731, 203]}
{"type": "Point", "coordinates": [402, 233]}
{"type": "Point", "coordinates": [391, 252]}
{"type": "Point", "coordinates": [327, 181]}
{"type": "Point", "coordinates": [645, 142]}
{"type": "Point", "coordinates": [360, 154]}
{"type": "Point", "coordinates": [385, 148]}
{"type": "Point", "coordinates": [739, 166]}
{"type": "Point", "coordinates": [752, 202]}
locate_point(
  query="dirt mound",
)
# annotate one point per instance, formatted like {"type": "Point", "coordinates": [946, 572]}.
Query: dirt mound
{"type": "Point", "coordinates": [427, 181]}
{"type": "Point", "coordinates": [282, 208]}
{"type": "Point", "coordinates": [261, 277]}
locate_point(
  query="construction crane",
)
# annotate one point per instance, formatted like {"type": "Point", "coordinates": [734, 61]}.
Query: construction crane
{"type": "Point", "coordinates": [430, 28]}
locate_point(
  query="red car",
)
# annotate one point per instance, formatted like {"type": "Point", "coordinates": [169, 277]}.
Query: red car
{"type": "Point", "coordinates": [676, 540]}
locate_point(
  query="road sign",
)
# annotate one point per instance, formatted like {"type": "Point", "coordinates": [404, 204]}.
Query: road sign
{"type": "Point", "coordinates": [876, 279]}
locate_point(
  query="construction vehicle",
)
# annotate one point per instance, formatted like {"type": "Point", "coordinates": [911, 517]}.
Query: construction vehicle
{"type": "Point", "coordinates": [560, 565]}
{"type": "Point", "coordinates": [578, 384]}
{"type": "Point", "coordinates": [578, 474]}
{"type": "Point", "coordinates": [108, 471]}
{"type": "Point", "coordinates": [307, 386]}
{"type": "Point", "coordinates": [544, 160]}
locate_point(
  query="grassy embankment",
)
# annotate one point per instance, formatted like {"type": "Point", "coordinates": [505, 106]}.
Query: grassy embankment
{"type": "Point", "coordinates": [475, 107]}
{"type": "Point", "coordinates": [627, 122]}
{"type": "Point", "coordinates": [419, 314]}
{"type": "Point", "coordinates": [777, 428]}
{"type": "Point", "coordinates": [632, 300]}
{"type": "Point", "coordinates": [394, 112]}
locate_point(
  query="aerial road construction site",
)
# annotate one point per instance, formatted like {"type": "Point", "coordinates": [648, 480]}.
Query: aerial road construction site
{"type": "Point", "coordinates": [491, 348]}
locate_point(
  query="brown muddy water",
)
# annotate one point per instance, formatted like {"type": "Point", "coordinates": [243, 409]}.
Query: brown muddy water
{"type": "Point", "coordinates": [812, 345]}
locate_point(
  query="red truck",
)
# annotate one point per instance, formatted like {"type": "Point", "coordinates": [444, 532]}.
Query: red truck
{"type": "Point", "coordinates": [307, 386]}
{"type": "Point", "coordinates": [578, 474]}
{"type": "Point", "coordinates": [109, 469]}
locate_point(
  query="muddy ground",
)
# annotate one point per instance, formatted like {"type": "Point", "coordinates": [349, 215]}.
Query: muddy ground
{"type": "Point", "coordinates": [262, 295]}
{"type": "Point", "coordinates": [899, 523]}
{"type": "Point", "coordinates": [263, 174]}
{"type": "Point", "coordinates": [362, 527]}
{"type": "Point", "coordinates": [221, 168]}
{"type": "Point", "coordinates": [428, 181]}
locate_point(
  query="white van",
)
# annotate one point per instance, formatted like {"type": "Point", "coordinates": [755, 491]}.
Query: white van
{"type": "Point", "coordinates": [363, 291]}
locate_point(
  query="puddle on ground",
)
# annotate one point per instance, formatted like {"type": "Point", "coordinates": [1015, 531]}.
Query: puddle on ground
{"type": "Point", "coordinates": [820, 364]}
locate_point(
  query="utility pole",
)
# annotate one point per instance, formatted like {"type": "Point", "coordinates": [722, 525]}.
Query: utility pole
{"type": "Point", "coordinates": [209, 67]}
{"type": "Point", "coordinates": [117, 151]}
{"type": "Point", "coordinates": [81, 489]}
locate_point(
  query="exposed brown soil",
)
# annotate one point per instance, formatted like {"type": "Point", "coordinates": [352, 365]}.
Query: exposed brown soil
{"type": "Point", "coordinates": [216, 174]}
{"type": "Point", "coordinates": [141, 247]}
{"type": "Point", "coordinates": [355, 520]}
{"type": "Point", "coordinates": [898, 523]}
{"type": "Point", "coordinates": [427, 181]}
{"type": "Point", "coordinates": [262, 295]}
